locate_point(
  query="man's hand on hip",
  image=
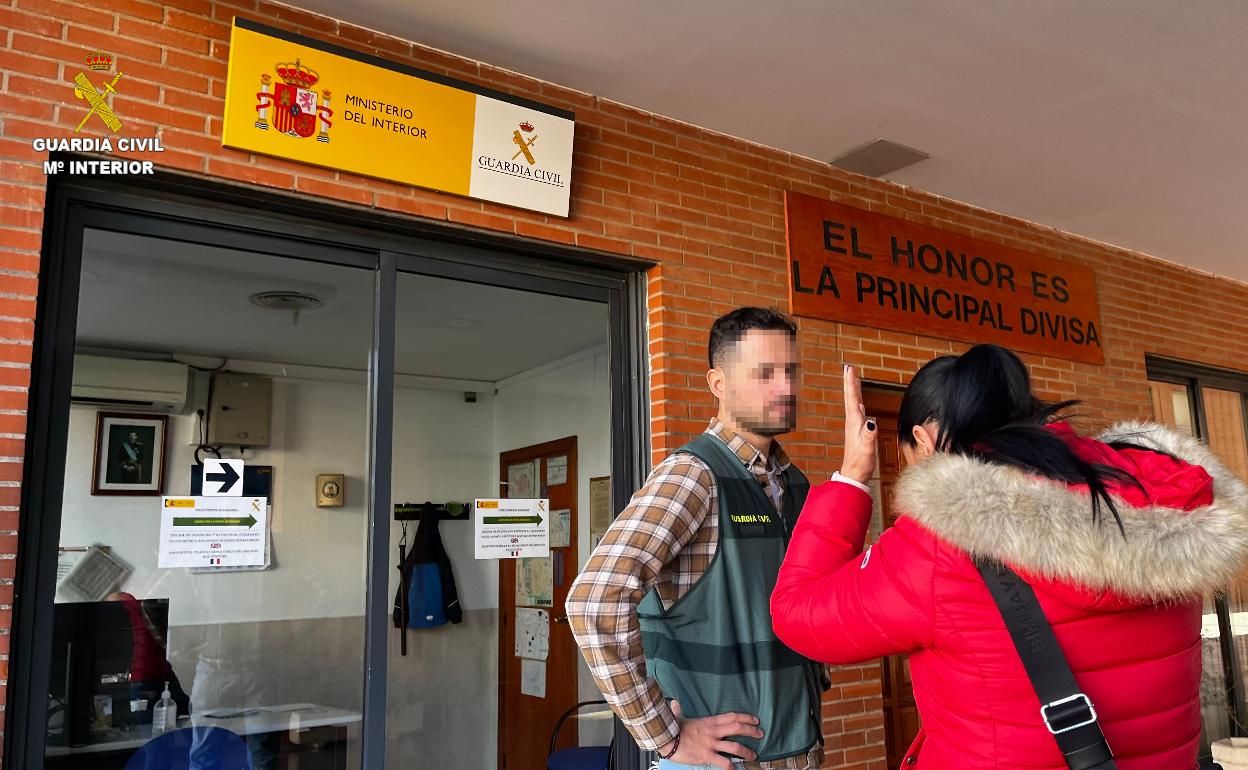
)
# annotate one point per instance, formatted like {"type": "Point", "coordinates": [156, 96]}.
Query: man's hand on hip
{"type": "Point", "coordinates": [702, 740]}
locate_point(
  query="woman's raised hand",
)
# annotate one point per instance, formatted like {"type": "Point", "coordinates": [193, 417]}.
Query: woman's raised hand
{"type": "Point", "coordinates": [860, 432]}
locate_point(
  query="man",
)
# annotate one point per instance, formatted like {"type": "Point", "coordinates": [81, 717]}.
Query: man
{"type": "Point", "coordinates": [131, 456]}
{"type": "Point", "coordinates": [674, 601]}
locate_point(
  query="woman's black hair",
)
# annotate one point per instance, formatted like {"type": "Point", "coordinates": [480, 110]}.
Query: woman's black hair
{"type": "Point", "coordinates": [984, 406]}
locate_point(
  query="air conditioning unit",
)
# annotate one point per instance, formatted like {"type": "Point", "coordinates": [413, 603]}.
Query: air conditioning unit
{"type": "Point", "coordinates": [150, 386]}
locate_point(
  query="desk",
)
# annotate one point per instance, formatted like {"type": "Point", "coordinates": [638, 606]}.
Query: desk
{"type": "Point", "coordinates": [290, 726]}
{"type": "Point", "coordinates": [272, 719]}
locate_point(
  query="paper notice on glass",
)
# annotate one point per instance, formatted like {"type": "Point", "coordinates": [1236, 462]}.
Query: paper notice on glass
{"type": "Point", "coordinates": [511, 529]}
{"type": "Point", "coordinates": [599, 508]}
{"type": "Point", "coordinates": [561, 528]}
{"type": "Point", "coordinates": [535, 584]}
{"type": "Point", "coordinates": [268, 560]}
{"type": "Point", "coordinates": [557, 471]}
{"type": "Point", "coordinates": [213, 531]}
{"type": "Point", "coordinates": [532, 634]}
{"type": "Point", "coordinates": [533, 678]}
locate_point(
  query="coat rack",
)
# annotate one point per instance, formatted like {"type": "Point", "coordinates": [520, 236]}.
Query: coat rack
{"type": "Point", "coordinates": [449, 511]}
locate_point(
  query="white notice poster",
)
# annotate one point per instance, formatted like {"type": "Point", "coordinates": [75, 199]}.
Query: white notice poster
{"type": "Point", "coordinates": [561, 528]}
{"type": "Point", "coordinates": [213, 531]}
{"type": "Point", "coordinates": [599, 508]}
{"type": "Point", "coordinates": [512, 529]}
{"type": "Point", "coordinates": [533, 678]}
{"type": "Point", "coordinates": [557, 471]}
{"type": "Point", "coordinates": [532, 634]}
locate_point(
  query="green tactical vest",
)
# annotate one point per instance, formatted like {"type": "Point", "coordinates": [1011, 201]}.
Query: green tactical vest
{"type": "Point", "coordinates": [714, 650]}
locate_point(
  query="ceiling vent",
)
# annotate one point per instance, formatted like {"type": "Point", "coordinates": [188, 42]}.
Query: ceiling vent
{"type": "Point", "coordinates": [289, 301]}
{"type": "Point", "coordinates": [879, 158]}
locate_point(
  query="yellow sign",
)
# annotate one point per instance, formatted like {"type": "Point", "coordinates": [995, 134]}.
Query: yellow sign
{"type": "Point", "coordinates": [301, 99]}
{"type": "Point", "coordinates": [182, 503]}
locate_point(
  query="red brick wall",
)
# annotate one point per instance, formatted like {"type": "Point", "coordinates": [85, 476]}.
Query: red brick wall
{"type": "Point", "coordinates": [707, 207]}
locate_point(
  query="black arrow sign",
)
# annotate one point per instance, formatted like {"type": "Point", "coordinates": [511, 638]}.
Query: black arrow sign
{"type": "Point", "coordinates": [228, 478]}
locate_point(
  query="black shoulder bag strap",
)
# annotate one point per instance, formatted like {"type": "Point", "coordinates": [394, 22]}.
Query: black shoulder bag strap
{"type": "Point", "coordinates": [1066, 712]}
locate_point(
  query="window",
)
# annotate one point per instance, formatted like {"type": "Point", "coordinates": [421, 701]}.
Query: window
{"type": "Point", "coordinates": [1212, 404]}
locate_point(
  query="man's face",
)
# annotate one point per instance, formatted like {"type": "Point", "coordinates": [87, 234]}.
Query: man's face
{"type": "Point", "coordinates": [134, 437]}
{"type": "Point", "coordinates": [760, 382]}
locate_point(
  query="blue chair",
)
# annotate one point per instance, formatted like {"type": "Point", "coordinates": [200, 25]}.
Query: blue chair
{"type": "Point", "coordinates": [193, 748]}
{"type": "Point", "coordinates": [582, 757]}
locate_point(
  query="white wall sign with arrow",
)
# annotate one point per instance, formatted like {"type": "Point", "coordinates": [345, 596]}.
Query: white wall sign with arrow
{"type": "Point", "coordinates": [512, 529]}
{"type": "Point", "coordinates": [223, 478]}
{"type": "Point", "coordinates": [213, 532]}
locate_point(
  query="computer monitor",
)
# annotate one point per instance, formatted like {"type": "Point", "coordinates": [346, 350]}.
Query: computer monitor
{"type": "Point", "coordinates": [94, 663]}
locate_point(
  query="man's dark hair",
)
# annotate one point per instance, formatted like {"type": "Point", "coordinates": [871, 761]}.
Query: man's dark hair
{"type": "Point", "coordinates": [728, 329]}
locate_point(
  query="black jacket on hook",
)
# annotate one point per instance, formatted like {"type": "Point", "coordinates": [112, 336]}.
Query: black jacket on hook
{"type": "Point", "coordinates": [427, 596]}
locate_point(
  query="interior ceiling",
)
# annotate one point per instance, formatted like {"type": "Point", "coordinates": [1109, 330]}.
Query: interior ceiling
{"type": "Point", "coordinates": [152, 295]}
{"type": "Point", "coordinates": [1119, 120]}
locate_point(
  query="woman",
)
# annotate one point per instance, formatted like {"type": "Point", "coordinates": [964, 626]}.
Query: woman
{"type": "Point", "coordinates": [1118, 536]}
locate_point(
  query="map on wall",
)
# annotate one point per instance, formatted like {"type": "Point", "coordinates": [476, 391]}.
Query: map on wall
{"type": "Point", "coordinates": [535, 583]}
{"type": "Point", "coordinates": [522, 480]}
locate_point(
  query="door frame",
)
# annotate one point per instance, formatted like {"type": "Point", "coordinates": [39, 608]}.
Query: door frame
{"type": "Point", "coordinates": [880, 398]}
{"type": "Point", "coordinates": [184, 208]}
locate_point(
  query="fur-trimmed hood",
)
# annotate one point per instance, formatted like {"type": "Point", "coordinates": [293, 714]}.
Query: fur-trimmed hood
{"type": "Point", "coordinates": [1045, 527]}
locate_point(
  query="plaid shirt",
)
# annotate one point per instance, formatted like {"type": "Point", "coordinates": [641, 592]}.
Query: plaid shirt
{"type": "Point", "coordinates": [664, 540]}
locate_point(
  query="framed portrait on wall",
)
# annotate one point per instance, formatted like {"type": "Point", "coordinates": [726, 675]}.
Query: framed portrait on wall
{"type": "Point", "coordinates": [129, 454]}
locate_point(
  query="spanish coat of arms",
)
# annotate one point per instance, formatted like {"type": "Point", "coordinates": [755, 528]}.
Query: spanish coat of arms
{"type": "Point", "coordinates": [296, 109]}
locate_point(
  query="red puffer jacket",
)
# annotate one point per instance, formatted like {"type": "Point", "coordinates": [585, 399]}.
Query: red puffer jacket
{"type": "Point", "coordinates": [1126, 612]}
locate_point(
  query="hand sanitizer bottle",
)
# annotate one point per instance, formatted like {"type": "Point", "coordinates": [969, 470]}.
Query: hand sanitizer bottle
{"type": "Point", "coordinates": [165, 715]}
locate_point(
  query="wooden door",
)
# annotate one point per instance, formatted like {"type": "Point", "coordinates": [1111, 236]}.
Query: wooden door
{"type": "Point", "coordinates": [525, 722]}
{"type": "Point", "coordinates": [901, 714]}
